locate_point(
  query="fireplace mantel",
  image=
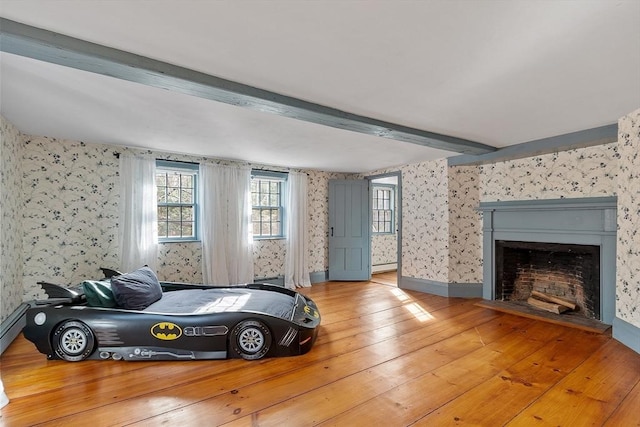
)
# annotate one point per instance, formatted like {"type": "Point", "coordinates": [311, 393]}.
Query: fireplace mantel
{"type": "Point", "coordinates": [584, 221]}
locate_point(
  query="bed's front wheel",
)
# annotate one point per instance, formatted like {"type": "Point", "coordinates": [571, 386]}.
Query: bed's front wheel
{"type": "Point", "coordinates": [73, 341]}
{"type": "Point", "coordinates": [251, 339]}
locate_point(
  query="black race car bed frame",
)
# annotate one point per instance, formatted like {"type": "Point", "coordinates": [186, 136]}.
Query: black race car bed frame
{"type": "Point", "coordinates": [249, 321]}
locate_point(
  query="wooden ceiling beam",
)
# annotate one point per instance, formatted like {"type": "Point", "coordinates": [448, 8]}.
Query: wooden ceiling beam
{"type": "Point", "coordinates": [24, 40]}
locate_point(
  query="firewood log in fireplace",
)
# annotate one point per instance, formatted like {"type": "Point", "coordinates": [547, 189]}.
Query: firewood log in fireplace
{"type": "Point", "coordinates": [550, 303]}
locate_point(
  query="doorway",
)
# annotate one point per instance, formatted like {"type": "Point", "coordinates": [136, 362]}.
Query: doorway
{"type": "Point", "coordinates": [386, 221]}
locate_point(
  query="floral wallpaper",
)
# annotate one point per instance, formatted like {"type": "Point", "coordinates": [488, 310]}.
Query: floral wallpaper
{"type": "Point", "coordinates": [180, 262]}
{"type": "Point", "coordinates": [628, 248]}
{"type": "Point", "coordinates": [71, 195]}
{"type": "Point", "coordinates": [268, 258]}
{"type": "Point", "coordinates": [384, 249]}
{"type": "Point", "coordinates": [11, 289]}
{"type": "Point", "coordinates": [583, 172]}
{"type": "Point", "coordinates": [465, 225]}
{"type": "Point", "coordinates": [425, 221]}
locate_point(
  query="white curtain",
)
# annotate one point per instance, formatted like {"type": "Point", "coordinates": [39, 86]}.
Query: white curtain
{"type": "Point", "coordinates": [296, 264]}
{"type": "Point", "coordinates": [4, 400]}
{"type": "Point", "coordinates": [138, 213]}
{"type": "Point", "coordinates": [227, 243]}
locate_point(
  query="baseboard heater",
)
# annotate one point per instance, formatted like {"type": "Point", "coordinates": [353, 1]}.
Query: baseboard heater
{"type": "Point", "coordinates": [12, 326]}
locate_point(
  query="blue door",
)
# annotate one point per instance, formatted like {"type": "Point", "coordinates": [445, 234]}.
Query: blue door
{"type": "Point", "coordinates": [349, 230]}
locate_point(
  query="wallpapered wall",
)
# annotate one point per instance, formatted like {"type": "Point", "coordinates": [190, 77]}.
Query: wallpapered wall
{"type": "Point", "coordinates": [384, 249]}
{"type": "Point", "coordinates": [70, 199]}
{"type": "Point", "coordinates": [425, 221]}
{"type": "Point", "coordinates": [465, 225]}
{"type": "Point", "coordinates": [11, 290]}
{"type": "Point", "coordinates": [70, 202]}
{"type": "Point", "coordinates": [584, 172]}
{"type": "Point", "coordinates": [628, 248]}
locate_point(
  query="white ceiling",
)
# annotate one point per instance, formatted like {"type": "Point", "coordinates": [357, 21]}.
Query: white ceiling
{"type": "Point", "coordinates": [495, 72]}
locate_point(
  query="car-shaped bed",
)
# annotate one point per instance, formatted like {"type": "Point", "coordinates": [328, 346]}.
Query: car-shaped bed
{"type": "Point", "coordinates": [188, 322]}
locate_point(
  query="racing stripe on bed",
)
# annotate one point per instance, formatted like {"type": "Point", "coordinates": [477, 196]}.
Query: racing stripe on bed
{"type": "Point", "coordinates": [288, 338]}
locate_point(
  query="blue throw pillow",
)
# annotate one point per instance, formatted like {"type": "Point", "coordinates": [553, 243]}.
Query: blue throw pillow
{"type": "Point", "coordinates": [136, 290]}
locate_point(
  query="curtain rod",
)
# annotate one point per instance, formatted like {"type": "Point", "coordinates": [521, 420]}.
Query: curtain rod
{"type": "Point", "coordinates": [117, 155]}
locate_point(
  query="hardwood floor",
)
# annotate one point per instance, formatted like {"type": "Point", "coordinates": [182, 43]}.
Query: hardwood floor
{"type": "Point", "coordinates": [386, 278]}
{"type": "Point", "coordinates": [382, 355]}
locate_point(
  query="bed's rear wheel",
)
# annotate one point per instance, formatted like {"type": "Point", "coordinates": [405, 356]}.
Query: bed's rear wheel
{"type": "Point", "coordinates": [73, 341]}
{"type": "Point", "coordinates": [251, 339]}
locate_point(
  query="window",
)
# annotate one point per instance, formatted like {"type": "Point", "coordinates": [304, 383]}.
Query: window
{"type": "Point", "coordinates": [382, 216]}
{"type": "Point", "coordinates": [267, 200]}
{"type": "Point", "coordinates": [176, 184]}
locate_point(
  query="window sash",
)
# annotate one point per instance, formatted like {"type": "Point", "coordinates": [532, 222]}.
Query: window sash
{"type": "Point", "coordinates": [268, 199]}
{"type": "Point", "coordinates": [177, 201]}
{"type": "Point", "coordinates": [382, 212]}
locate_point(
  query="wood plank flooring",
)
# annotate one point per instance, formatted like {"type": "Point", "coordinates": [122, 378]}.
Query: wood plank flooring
{"type": "Point", "coordinates": [382, 355]}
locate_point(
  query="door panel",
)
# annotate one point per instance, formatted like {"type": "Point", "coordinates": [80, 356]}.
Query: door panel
{"type": "Point", "coordinates": [349, 230]}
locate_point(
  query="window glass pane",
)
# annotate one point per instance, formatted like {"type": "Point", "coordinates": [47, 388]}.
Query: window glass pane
{"type": "Point", "coordinates": [173, 213]}
{"type": "Point", "coordinates": [162, 229]}
{"type": "Point", "coordinates": [187, 230]}
{"type": "Point", "coordinates": [187, 213]}
{"type": "Point", "coordinates": [173, 179]}
{"type": "Point", "coordinates": [162, 213]}
{"type": "Point", "coordinates": [175, 229]}
{"type": "Point", "coordinates": [256, 228]}
{"type": "Point", "coordinates": [274, 200]}
{"type": "Point", "coordinates": [266, 229]}
{"type": "Point", "coordinates": [173, 195]}
{"type": "Point", "coordinates": [255, 215]}
{"type": "Point", "coordinates": [162, 196]}
{"type": "Point", "coordinates": [275, 229]}
{"type": "Point", "coordinates": [186, 181]}
{"type": "Point", "coordinates": [186, 196]}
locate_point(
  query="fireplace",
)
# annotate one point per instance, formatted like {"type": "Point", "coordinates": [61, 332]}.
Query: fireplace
{"type": "Point", "coordinates": [562, 248]}
{"type": "Point", "coordinates": [570, 272]}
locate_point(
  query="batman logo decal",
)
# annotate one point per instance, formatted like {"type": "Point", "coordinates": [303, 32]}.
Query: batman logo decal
{"type": "Point", "coordinates": [166, 331]}
{"type": "Point", "coordinates": [310, 311]}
